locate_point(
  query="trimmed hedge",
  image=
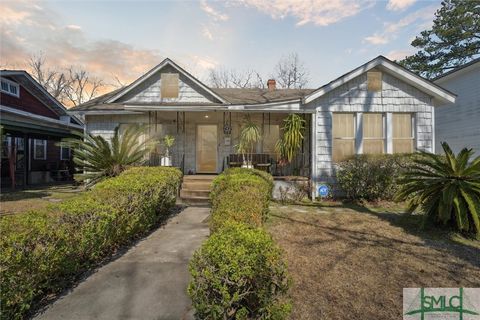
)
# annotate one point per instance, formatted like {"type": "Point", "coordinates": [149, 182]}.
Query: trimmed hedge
{"type": "Point", "coordinates": [241, 195]}
{"type": "Point", "coordinates": [372, 177]}
{"type": "Point", "coordinates": [239, 273]}
{"type": "Point", "coordinates": [43, 251]}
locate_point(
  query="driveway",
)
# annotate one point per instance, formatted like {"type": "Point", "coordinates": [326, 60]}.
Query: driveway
{"type": "Point", "coordinates": [148, 282]}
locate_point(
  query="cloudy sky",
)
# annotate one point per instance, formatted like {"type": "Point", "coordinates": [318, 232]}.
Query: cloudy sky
{"type": "Point", "coordinates": [125, 39]}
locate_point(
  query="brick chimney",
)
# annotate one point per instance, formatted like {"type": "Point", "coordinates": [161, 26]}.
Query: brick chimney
{"type": "Point", "coordinates": [271, 84]}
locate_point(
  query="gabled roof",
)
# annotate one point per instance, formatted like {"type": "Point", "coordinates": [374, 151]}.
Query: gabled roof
{"type": "Point", "coordinates": [161, 65]}
{"type": "Point", "coordinates": [29, 83]}
{"type": "Point", "coordinates": [437, 92]}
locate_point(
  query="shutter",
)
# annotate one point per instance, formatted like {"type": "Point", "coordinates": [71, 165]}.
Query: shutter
{"type": "Point", "coordinates": [343, 136]}
{"type": "Point", "coordinates": [402, 133]}
{"type": "Point", "coordinates": [373, 139]}
{"type": "Point", "coordinates": [169, 85]}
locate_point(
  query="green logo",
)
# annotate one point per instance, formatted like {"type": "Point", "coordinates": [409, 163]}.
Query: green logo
{"type": "Point", "coordinates": [440, 302]}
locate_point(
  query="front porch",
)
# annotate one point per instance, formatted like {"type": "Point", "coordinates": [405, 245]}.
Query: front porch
{"type": "Point", "coordinates": [205, 141]}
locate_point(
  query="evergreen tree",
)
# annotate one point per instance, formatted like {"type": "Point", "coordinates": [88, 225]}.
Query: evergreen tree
{"type": "Point", "coordinates": [453, 40]}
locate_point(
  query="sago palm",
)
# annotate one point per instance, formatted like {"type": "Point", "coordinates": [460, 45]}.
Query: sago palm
{"type": "Point", "coordinates": [100, 159]}
{"type": "Point", "coordinates": [446, 188]}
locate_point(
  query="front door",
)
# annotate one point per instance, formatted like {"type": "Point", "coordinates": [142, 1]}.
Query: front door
{"type": "Point", "coordinates": [206, 151]}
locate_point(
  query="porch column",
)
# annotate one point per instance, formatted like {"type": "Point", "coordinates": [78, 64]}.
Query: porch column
{"type": "Point", "coordinates": [313, 154]}
{"type": "Point", "coordinates": [26, 155]}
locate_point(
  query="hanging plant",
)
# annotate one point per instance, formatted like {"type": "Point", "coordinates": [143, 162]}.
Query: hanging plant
{"type": "Point", "coordinates": [293, 130]}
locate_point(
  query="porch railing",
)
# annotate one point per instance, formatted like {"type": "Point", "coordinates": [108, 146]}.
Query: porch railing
{"type": "Point", "coordinates": [300, 165]}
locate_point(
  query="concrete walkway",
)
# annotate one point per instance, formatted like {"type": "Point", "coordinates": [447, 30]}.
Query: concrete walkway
{"type": "Point", "coordinates": [147, 282]}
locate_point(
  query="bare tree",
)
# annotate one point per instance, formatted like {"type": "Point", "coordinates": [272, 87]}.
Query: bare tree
{"type": "Point", "coordinates": [225, 78]}
{"type": "Point", "coordinates": [290, 72]}
{"type": "Point", "coordinates": [55, 82]}
{"type": "Point", "coordinates": [82, 86]}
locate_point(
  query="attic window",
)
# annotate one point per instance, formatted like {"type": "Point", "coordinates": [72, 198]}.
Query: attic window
{"type": "Point", "coordinates": [169, 85]}
{"type": "Point", "coordinates": [374, 81]}
{"type": "Point", "coordinates": [10, 87]}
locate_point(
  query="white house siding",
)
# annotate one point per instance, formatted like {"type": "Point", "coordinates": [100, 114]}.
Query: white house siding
{"type": "Point", "coordinates": [396, 96]}
{"type": "Point", "coordinates": [459, 124]}
{"type": "Point", "coordinates": [149, 91]}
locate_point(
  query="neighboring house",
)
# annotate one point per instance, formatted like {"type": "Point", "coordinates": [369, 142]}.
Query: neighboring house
{"type": "Point", "coordinates": [33, 122]}
{"type": "Point", "coordinates": [380, 107]}
{"type": "Point", "coordinates": [459, 124]}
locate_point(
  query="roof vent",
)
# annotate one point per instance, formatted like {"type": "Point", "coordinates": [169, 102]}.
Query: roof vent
{"type": "Point", "coordinates": [271, 84]}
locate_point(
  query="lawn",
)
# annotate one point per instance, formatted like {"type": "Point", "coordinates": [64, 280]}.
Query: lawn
{"type": "Point", "coordinates": [36, 198]}
{"type": "Point", "coordinates": [351, 262]}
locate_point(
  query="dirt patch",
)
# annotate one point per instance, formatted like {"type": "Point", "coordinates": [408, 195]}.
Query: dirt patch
{"type": "Point", "coordinates": [347, 264]}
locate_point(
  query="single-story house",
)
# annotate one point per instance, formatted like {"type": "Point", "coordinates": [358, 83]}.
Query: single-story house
{"type": "Point", "coordinates": [33, 122]}
{"type": "Point", "coordinates": [379, 107]}
{"type": "Point", "coordinates": [459, 124]}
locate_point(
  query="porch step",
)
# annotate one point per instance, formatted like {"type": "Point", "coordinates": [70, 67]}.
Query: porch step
{"type": "Point", "coordinates": [196, 189]}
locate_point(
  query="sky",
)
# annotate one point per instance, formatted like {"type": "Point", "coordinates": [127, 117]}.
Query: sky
{"type": "Point", "coordinates": [125, 39]}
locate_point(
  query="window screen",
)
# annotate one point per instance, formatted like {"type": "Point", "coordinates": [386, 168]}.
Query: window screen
{"type": "Point", "coordinates": [39, 149]}
{"type": "Point", "coordinates": [169, 85]}
{"type": "Point", "coordinates": [402, 133]}
{"type": "Point", "coordinates": [373, 133]}
{"type": "Point", "coordinates": [343, 136]}
{"type": "Point", "coordinates": [374, 81]}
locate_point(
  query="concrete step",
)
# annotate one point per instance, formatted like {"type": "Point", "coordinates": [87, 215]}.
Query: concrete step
{"type": "Point", "coordinates": [194, 201]}
{"type": "Point", "coordinates": [186, 193]}
{"type": "Point", "coordinates": [199, 177]}
{"type": "Point", "coordinates": [197, 185]}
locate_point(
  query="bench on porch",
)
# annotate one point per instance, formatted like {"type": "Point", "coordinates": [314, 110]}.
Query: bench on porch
{"type": "Point", "coordinates": [260, 161]}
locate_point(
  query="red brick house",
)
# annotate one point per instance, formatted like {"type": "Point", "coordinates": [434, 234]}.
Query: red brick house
{"type": "Point", "coordinates": [33, 122]}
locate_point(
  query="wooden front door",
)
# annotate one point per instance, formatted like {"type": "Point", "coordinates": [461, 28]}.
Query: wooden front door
{"type": "Point", "coordinates": [206, 148]}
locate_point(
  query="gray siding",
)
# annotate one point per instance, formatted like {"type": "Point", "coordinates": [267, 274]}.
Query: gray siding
{"type": "Point", "coordinates": [396, 96]}
{"type": "Point", "coordinates": [459, 124]}
{"type": "Point", "coordinates": [149, 91]}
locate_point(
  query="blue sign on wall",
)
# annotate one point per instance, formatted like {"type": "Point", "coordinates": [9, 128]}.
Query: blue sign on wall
{"type": "Point", "coordinates": [323, 190]}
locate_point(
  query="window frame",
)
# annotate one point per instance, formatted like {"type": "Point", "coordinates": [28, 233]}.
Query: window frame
{"type": "Point", "coordinates": [61, 153]}
{"type": "Point", "coordinates": [353, 138]}
{"type": "Point", "coordinates": [35, 156]}
{"type": "Point", "coordinates": [412, 131]}
{"type": "Point", "coordinates": [384, 132]}
{"type": "Point", "coordinates": [163, 86]}
{"type": "Point", "coordinates": [10, 84]}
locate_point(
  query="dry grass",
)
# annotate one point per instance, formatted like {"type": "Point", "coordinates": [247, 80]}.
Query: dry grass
{"type": "Point", "coordinates": [33, 199]}
{"type": "Point", "coordinates": [352, 263]}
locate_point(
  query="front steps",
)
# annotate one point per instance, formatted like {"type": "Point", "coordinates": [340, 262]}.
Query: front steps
{"type": "Point", "coordinates": [196, 189]}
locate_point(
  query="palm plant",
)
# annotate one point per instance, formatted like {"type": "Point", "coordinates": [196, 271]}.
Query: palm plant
{"type": "Point", "coordinates": [100, 159]}
{"type": "Point", "coordinates": [168, 142]}
{"type": "Point", "coordinates": [249, 136]}
{"type": "Point", "coordinates": [446, 188]}
{"type": "Point", "coordinates": [293, 129]}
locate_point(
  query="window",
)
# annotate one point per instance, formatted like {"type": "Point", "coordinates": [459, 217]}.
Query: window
{"type": "Point", "coordinates": [402, 133]}
{"type": "Point", "coordinates": [169, 85]}
{"type": "Point", "coordinates": [374, 81]}
{"type": "Point", "coordinates": [373, 133]}
{"type": "Point", "coordinates": [271, 134]}
{"type": "Point", "coordinates": [64, 153]}
{"type": "Point", "coordinates": [343, 136]}
{"type": "Point", "coordinates": [39, 149]}
{"type": "Point", "coordinates": [10, 87]}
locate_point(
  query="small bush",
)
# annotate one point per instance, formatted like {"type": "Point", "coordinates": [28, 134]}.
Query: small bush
{"type": "Point", "coordinates": [42, 251]}
{"type": "Point", "coordinates": [372, 177]}
{"type": "Point", "coordinates": [238, 273]}
{"type": "Point", "coordinates": [242, 196]}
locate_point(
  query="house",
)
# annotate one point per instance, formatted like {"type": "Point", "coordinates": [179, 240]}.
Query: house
{"type": "Point", "coordinates": [459, 124]}
{"type": "Point", "coordinates": [379, 107]}
{"type": "Point", "coordinates": [32, 123]}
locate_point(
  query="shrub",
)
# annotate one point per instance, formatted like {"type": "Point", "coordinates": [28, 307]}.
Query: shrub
{"type": "Point", "coordinates": [42, 251]}
{"type": "Point", "coordinates": [372, 177]}
{"type": "Point", "coordinates": [238, 273]}
{"type": "Point", "coordinates": [242, 196]}
{"type": "Point", "coordinates": [447, 189]}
